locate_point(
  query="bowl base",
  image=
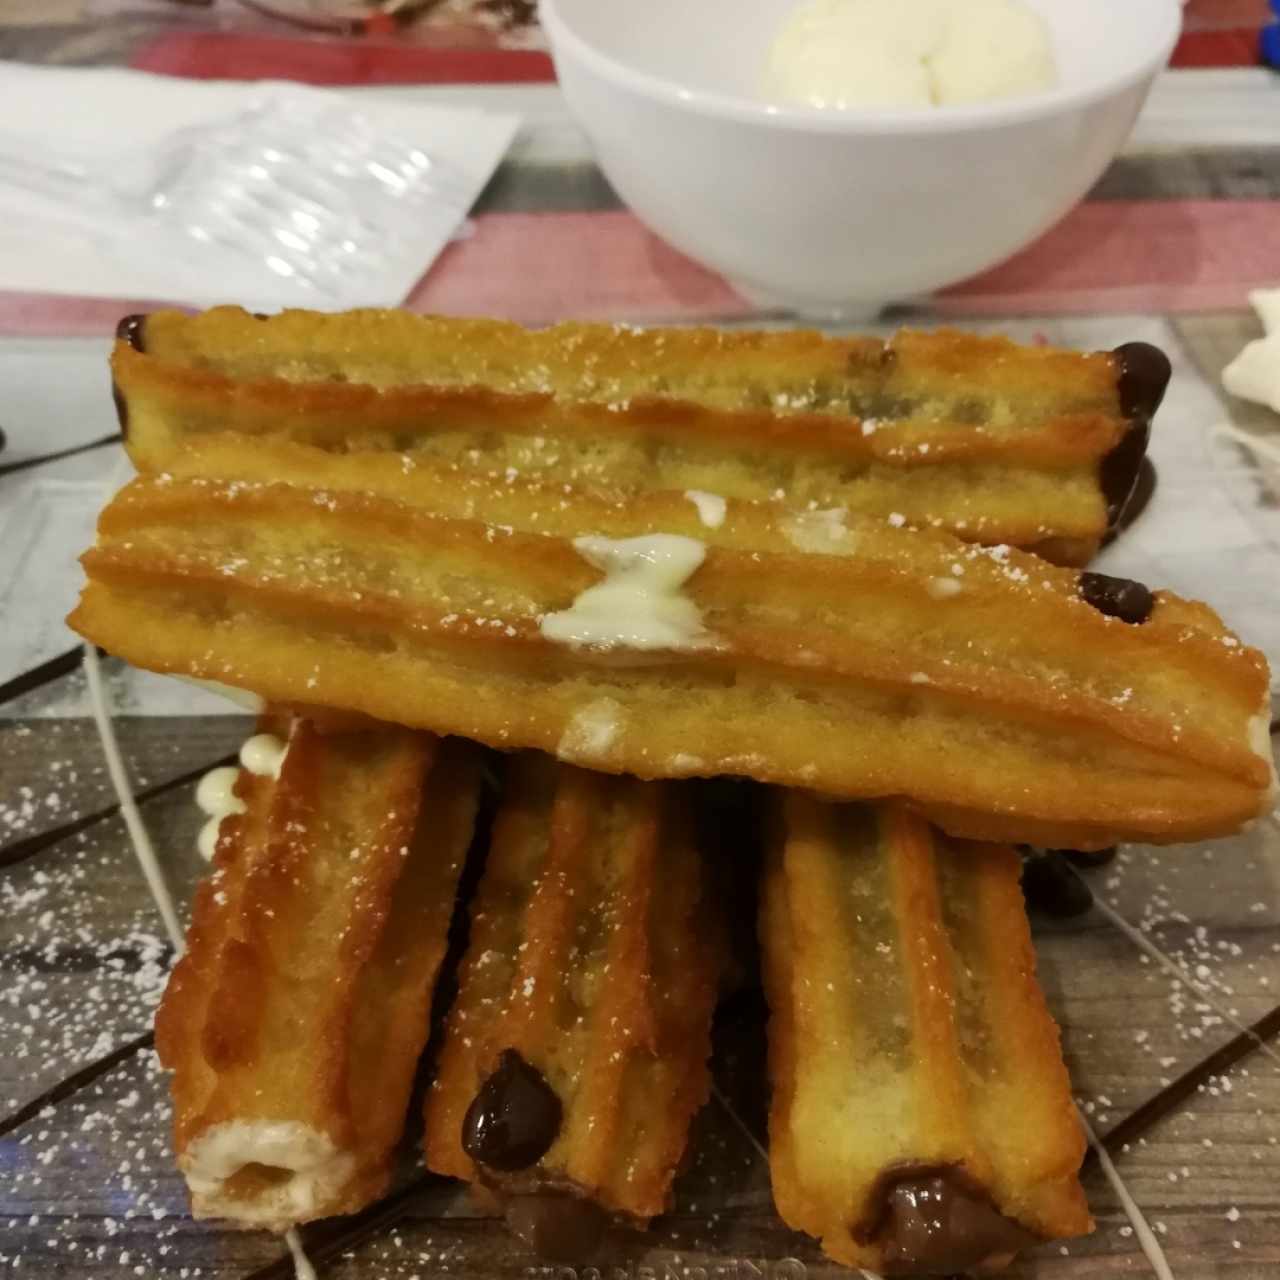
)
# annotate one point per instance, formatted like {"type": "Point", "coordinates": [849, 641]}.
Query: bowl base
{"type": "Point", "coordinates": [818, 310]}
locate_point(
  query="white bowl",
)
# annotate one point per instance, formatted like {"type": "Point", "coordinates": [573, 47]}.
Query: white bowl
{"type": "Point", "coordinates": [830, 211]}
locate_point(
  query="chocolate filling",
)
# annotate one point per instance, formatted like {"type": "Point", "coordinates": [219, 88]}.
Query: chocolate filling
{"type": "Point", "coordinates": [1143, 491]}
{"type": "Point", "coordinates": [1051, 887]}
{"type": "Point", "coordinates": [132, 329]}
{"type": "Point", "coordinates": [1142, 376]}
{"type": "Point", "coordinates": [559, 1226]}
{"type": "Point", "coordinates": [1120, 598]}
{"type": "Point", "coordinates": [513, 1119]}
{"type": "Point", "coordinates": [936, 1220]}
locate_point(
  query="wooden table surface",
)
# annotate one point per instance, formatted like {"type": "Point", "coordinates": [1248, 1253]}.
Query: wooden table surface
{"type": "Point", "coordinates": [88, 1187]}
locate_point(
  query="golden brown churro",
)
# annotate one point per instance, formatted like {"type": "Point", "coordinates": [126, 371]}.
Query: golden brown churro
{"type": "Point", "coordinates": [294, 1022]}
{"type": "Point", "coordinates": [995, 442]}
{"type": "Point", "coordinates": [922, 1119]}
{"type": "Point", "coordinates": [1006, 698]}
{"type": "Point", "coordinates": [576, 1052]}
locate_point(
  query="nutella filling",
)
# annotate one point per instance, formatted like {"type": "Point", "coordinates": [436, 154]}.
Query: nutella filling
{"type": "Point", "coordinates": [1143, 373]}
{"type": "Point", "coordinates": [1143, 491]}
{"type": "Point", "coordinates": [938, 1220]}
{"type": "Point", "coordinates": [1120, 598]}
{"type": "Point", "coordinates": [513, 1119]}
{"type": "Point", "coordinates": [132, 329]}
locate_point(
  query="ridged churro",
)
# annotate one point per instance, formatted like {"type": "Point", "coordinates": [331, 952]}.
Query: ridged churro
{"type": "Point", "coordinates": [575, 1054]}
{"type": "Point", "coordinates": [922, 1120]}
{"type": "Point", "coordinates": [294, 1021]}
{"type": "Point", "coordinates": [1004, 697]}
{"type": "Point", "coordinates": [995, 442]}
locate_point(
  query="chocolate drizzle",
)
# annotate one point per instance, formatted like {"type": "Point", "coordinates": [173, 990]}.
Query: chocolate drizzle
{"type": "Point", "coordinates": [1142, 376]}
{"type": "Point", "coordinates": [513, 1119]}
{"type": "Point", "coordinates": [1121, 598]}
{"type": "Point", "coordinates": [936, 1220]}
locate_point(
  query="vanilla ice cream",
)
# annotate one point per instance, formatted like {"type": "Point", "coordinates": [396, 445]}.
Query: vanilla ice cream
{"type": "Point", "coordinates": [907, 53]}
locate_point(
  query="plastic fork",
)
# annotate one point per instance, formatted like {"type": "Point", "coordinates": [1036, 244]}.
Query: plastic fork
{"type": "Point", "coordinates": [296, 184]}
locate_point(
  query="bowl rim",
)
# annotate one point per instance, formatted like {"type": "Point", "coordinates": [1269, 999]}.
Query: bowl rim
{"type": "Point", "coordinates": [853, 121]}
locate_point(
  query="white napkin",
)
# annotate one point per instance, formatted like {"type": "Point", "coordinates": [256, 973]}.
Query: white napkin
{"type": "Point", "coordinates": [116, 110]}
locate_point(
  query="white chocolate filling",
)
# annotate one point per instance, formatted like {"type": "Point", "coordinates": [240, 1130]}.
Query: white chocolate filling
{"type": "Point", "coordinates": [639, 604]}
{"type": "Point", "coordinates": [318, 1171]}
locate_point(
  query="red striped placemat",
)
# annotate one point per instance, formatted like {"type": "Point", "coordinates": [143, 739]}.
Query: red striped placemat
{"type": "Point", "coordinates": [1113, 256]}
{"type": "Point", "coordinates": [1217, 33]}
{"type": "Point", "coordinates": [464, 56]}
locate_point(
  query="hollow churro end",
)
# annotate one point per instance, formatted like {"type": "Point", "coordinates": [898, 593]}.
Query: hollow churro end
{"type": "Point", "coordinates": [267, 1174]}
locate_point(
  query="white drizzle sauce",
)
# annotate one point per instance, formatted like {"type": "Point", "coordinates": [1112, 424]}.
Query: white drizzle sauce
{"type": "Point", "coordinates": [263, 755]}
{"type": "Point", "coordinates": [818, 532]}
{"type": "Point", "coordinates": [638, 605]}
{"type": "Point", "coordinates": [1141, 1230]}
{"type": "Point", "coordinates": [143, 849]}
{"type": "Point", "coordinates": [216, 797]}
{"type": "Point", "coordinates": [711, 507]}
{"type": "Point", "coordinates": [592, 731]}
{"type": "Point", "coordinates": [243, 699]}
{"type": "Point", "coordinates": [302, 1267]}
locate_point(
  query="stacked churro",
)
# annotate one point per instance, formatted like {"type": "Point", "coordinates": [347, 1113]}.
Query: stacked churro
{"type": "Point", "coordinates": [846, 569]}
{"type": "Point", "coordinates": [294, 1022]}
{"type": "Point", "coordinates": [998, 443]}
{"type": "Point", "coordinates": [921, 1116]}
{"type": "Point", "coordinates": [575, 1054]}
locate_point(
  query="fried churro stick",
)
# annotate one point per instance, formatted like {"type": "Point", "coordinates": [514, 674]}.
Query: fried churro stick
{"type": "Point", "coordinates": [294, 1022]}
{"type": "Point", "coordinates": [995, 442]}
{"type": "Point", "coordinates": [576, 1052]}
{"type": "Point", "coordinates": [922, 1119]}
{"type": "Point", "coordinates": [1006, 698]}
